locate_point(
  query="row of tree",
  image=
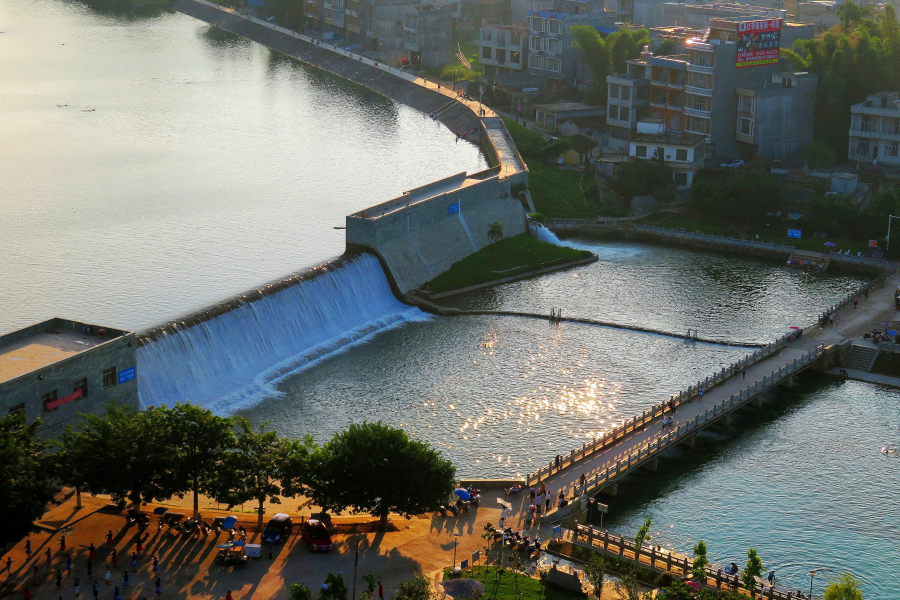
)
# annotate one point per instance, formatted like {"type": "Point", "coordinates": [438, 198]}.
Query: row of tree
{"type": "Point", "coordinates": [154, 454]}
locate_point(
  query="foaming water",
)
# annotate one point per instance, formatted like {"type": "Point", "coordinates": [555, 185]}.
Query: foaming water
{"type": "Point", "coordinates": [233, 360]}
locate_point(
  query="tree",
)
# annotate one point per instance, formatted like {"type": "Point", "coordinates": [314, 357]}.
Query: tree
{"type": "Point", "coordinates": [596, 57]}
{"type": "Point", "coordinates": [26, 476]}
{"type": "Point", "coordinates": [417, 588]}
{"type": "Point", "coordinates": [639, 177]}
{"type": "Point", "coordinates": [380, 469]}
{"type": "Point", "coordinates": [299, 591]}
{"type": "Point", "coordinates": [753, 570]}
{"type": "Point", "coordinates": [594, 572]}
{"type": "Point", "coordinates": [667, 47]}
{"type": "Point", "coordinates": [850, 15]}
{"type": "Point", "coordinates": [261, 466]}
{"type": "Point", "coordinates": [698, 568]}
{"type": "Point", "coordinates": [819, 155]}
{"type": "Point", "coordinates": [495, 231]}
{"type": "Point", "coordinates": [741, 195]}
{"type": "Point", "coordinates": [536, 219]}
{"type": "Point", "coordinates": [371, 584]}
{"type": "Point", "coordinates": [845, 588]}
{"type": "Point", "coordinates": [643, 535]}
{"type": "Point", "coordinates": [287, 13]}
{"type": "Point", "coordinates": [199, 441]}
{"type": "Point", "coordinates": [628, 587]}
{"type": "Point", "coordinates": [124, 453]}
{"type": "Point", "coordinates": [336, 590]}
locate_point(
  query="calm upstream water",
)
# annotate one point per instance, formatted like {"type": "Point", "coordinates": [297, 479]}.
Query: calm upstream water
{"type": "Point", "coordinates": [153, 167]}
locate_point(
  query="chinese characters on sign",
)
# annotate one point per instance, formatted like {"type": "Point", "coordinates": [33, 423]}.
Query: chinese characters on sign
{"type": "Point", "coordinates": [758, 43]}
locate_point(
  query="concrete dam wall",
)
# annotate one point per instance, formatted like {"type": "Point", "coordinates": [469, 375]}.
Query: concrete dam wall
{"type": "Point", "coordinates": [426, 230]}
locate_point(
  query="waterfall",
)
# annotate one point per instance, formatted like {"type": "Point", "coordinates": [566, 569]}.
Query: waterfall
{"type": "Point", "coordinates": [545, 235]}
{"type": "Point", "coordinates": [233, 359]}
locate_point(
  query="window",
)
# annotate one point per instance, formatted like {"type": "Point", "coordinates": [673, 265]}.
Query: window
{"type": "Point", "coordinates": [554, 65]}
{"type": "Point", "coordinates": [47, 399]}
{"type": "Point", "coordinates": [640, 151]}
{"type": "Point", "coordinates": [893, 149]}
{"type": "Point", "coordinates": [535, 61]}
{"type": "Point", "coordinates": [515, 39]}
{"type": "Point", "coordinates": [660, 152]}
{"type": "Point", "coordinates": [109, 378]}
{"type": "Point", "coordinates": [81, 384]}
{"type": "Point", "coordinates": [745, 126]}
{"type": "Point", "coordinates": [896, 126]}
{"type": "Point", "coordinates": [614, 90]}
{"type": "Point", "coordinates": [868, 123]}
{"type": "Point", "coordinates": [486, 52]}
{"type": "Point", "coordinates": [553, 45]}
{"type": "Point", "coordinates": [862, 147]}
{"type": "Point", "coordinates": [501, 56]}
{"type": "Point", "coordinates": [680, 178]}
{"type": "Point", "coordinates": [536, 24]}
{"type": "Point", "coordinates": [681, 154]}
{"type": "Point", "coordinates": [515, 58]}
{"type": "Point", "coordinates": [623, 113]}
{"type": "Point", "coordinates": [675, 122]}
{"type": "Point", "coordinates": [537, 43]}
{"type": "Point", "coordinates": [745, 104]}
{"type": "Point", "coordinates": [17, 408]}
{"type": "Point", "coordinates": [555, 26]}
{"type": "Point", "coordinates": [613, 111]}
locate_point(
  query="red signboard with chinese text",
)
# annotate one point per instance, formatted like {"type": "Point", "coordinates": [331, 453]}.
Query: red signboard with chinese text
{"type": "Point", "coordinates": [758, 43]}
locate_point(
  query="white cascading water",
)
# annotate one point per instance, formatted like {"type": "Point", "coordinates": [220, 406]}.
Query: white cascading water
{"type": "Point", "coordinates": [232, 361]}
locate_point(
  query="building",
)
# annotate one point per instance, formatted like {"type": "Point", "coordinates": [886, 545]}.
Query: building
{"type": "Point", "coordinates": [550, 117]}
{"type": "Point", "coordinates": [550, 51]}
{"type": "Point", "coordinates": [503, 48]}
{"type": "Point", "coordinates": [875, 129]}
{"type": "Point", "coordinates": [427, 31]}
{"type": "Point", "coordinates": [684, 153]}
{"type": "Point", "coordinates": [655, 14]}
{"type": "Point", "coordinates": [775, 118]}
{"type": "Point", "coordinates": [55, 369]}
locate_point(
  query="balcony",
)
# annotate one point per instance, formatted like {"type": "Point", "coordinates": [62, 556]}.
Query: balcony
{"type": "Point", "coordinates": [693, 112]}
{"type": "Point", "coordinates": [657, 104]}
{"type": "Point", "coordinates": [676, 85]}
{"type": "Point", "coordinates": [874, 135]}
{"type": "Point", "coordinates": [657, 83]}
{"type": "Point", "coordinates": [694, 131]}
{"type": "Point", "coordinates": [698, 91]}
{"type": "Point", "coordinates": [692, 68]}
{"type": "Point", "coordinates": [676, 107]}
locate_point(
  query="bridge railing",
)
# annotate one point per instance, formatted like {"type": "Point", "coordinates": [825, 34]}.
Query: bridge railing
{"type": "Point", "coordinates": [661, 559]}
{"type": "Point", "coordinates": [638, 422]}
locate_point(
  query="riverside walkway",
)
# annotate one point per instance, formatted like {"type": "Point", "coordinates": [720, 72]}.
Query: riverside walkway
{"type": "Point", "coordinates": [641, 440]}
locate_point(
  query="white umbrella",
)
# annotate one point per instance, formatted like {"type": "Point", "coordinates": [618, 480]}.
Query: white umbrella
{"type": "Point", "coordinates": [504, 503]}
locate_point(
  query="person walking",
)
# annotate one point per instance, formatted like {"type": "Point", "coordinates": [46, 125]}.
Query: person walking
{"type": "Point", "coordinates": [77, 587]}
{"type": "Point", "coordinates": [125, 579]}
{"type": "Point", "coordinates": [228, 596]}
{"type": "Point", "coordinates": [140, 547]}
{"type": "Point", "coordinates": [49, 557]}
{"type": "Point", "coordinates": [27, 594]}
{"type": "Point", "coordinates": [134, 560]}
{"type": "Point", "coordinates": [28, 548]}
{"type": "Point", "coordinates": [8, 566]}
{"type": "Point", "coordinates": [92, 552]}
{"type": "Point", "coordinates": [58, 579]}
{"type": "Point", "coordinates": [35, 577]}
{"type": "Point", "coordinates": [69, 565]}
{"type": "Point", "coordinates": [743, 372]}
{"type": "Point", "coordinates": [108, 575]}
{"type": "Point", "coordinates": [96, 589]}
{"type": "Point", "coordinates": [116, 594]}
{"type": "Point", "coordinates": [115, 558]}
{"type": "Point", "coordinates": [62, 545]}
{"type": "Point", "coordinates": [380, 591]}
{"type": "Point", "coordinates": [549, 494]}
{"type": "Point", "coordinates": [866, 293]}
{"type": "Point", "coordinates": [155, 565]}
{"type": "Point", "coordinates": [855, 301]}
{"type": "Point", "coordinates": [700, 392]}
{"type": "Point", "coordinates": [109, 537]}
{"type": "Point", "coordinates": [158, 587]}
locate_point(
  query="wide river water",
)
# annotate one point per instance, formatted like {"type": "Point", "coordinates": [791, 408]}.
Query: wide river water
{"type": "Point", "coordinates": [152, 168]}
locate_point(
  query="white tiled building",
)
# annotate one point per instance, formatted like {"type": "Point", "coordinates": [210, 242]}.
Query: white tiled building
{"type": "Point", "coordinates": [875, 129]}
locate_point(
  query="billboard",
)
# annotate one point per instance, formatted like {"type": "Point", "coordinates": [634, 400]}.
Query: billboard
{"type": "Point", "coordinates": [758, 42]}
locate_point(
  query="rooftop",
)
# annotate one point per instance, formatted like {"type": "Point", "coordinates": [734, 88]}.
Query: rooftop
{"type": "Point", "coordinates": [44, 344]}
{"type": "Point", "coordinates": [567, 107]}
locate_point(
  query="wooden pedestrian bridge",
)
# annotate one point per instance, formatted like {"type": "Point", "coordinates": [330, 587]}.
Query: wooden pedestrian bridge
{"type": "Point", "coordinates": [598, 465]}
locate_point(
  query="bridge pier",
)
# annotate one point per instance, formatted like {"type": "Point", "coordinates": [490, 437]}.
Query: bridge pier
{"type": "Point", "coordinates": [756, 402]}
{"type": "Point", "coordinates": [611, 489]}
{"type": "Point", "coordinates": [690, 441]}
{"type": "Point", "coordinates": [787, 383]}
{"type": "Point", "coordinates": [651, 465]}
{"type": "Point", "coordinates": [724, 421]}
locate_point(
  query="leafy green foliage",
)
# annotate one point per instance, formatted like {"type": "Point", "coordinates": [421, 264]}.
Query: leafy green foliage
{"type": "Point", "coordinates": [753, 569]}
{"type": "Point", "coordinates": [639, 177]}
{"type": "Point", "coordinates": [495, 231]}
{"type": "Point", "coordinates": [299, 591]}
{"type": "Point", "coordinates": [380, 469]}
{"type": "Point", "coordinates": [199, 440]}
{"type": "Point", "coordinates": [819, 155]}
{"type": "Point", "coordinates": [698, 567]}
{"type": "Point", "coordinates": [845, 588]}
{"type": "Point", "coordinates": [643, 534]}
{"type": "Point", "coordinates": [417, 588]}
{"type": "Point", "coordinates": [860, 56]}
{"type": "Point", "coordinates": [743, 195]}
{"type": "Point", "coordinates": [287, 13]}
{"type": "Point", "coordinates": [596, 57]}
{"type": "Point", "coordinates": [26, 476]}
{"type": "Point", "coordinates": [336, 590]}
{"type": "Point", "coordinates": [628, 587]}
{"type": "Point", "coordinates": [371, 584]}
{"type": "Point", "coordinates": [124, 453]}
{"type": "Point", "coordinates": [594, 572]}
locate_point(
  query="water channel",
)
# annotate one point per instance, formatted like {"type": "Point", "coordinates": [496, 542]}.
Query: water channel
{"type": "Point", "coordinates": [159, 168]}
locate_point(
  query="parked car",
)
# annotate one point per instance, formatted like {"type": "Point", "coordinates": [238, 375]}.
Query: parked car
{"type": "Point", "coordinates": [316, 535]}
{"type": "Point", "coordinates": [735, 164]}
{"type": "Point", "coordinates": [278, 529]}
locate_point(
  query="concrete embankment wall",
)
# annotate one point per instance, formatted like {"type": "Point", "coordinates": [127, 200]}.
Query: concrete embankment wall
{"type": "Point", "coordinates": [458, 119]}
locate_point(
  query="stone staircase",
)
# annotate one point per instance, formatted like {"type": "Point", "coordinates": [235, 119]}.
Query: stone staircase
{"type": "Point", "coordinates": [861, 357]}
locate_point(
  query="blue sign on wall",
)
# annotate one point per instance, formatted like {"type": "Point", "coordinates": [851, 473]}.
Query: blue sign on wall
{"type": "Point", "coordinates": [454, 208]}
{"type": "Point", "coordinates": [126, 375]}
{"type": "Point", "coordinates": [794, 233]}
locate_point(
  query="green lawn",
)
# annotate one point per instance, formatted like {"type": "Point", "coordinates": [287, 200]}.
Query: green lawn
{"type": "Point", "coordinates": [774, 233]}
{"type": "Point", "coordinates": [559, 193]}
{"type": "Point", "coordinates": [504, 587]}
{"type": "Point", "coordinates": [887, 363]}
{"type": "Point", "coordinates": [508, 257]}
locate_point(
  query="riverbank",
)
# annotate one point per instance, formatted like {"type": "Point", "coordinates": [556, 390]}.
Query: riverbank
{"type": "Point", "coordinates": [507, 260]}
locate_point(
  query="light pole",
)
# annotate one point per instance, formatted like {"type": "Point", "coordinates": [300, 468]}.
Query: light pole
{"type": "Point", "coordinates": [812, 574]}
{"type": "Point", "coordinates": [889, 232]}
{"type": "Point", "coordinates": [455, 544]}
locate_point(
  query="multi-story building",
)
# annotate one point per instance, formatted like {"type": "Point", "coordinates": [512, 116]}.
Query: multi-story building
{"type": "Point", "coordinates": [628, 101]}
{"type": "Point", "coordinates": [656, 14]}
{"type": "Point", "coordinates": [875, 129]}
{"type": "Point", "coordinates": [427, 31]}
{"type": "Point", "coordinates": [698, 92]}
{"type": "Point", "coordinates": [503, 48]}
{"type": "Point", "coordinates": [550, 51]}
{"type": "Point", "coordinates": [683, 153]}
{"type": "Point", "coordinates": [58, 368]}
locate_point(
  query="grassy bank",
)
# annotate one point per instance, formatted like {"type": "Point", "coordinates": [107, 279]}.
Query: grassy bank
{"type": "Point", "coordinates": [502, 585]}
{"type": "Point", "coordinates": [767, 233]}
{"type": "Point", "coordinates": [508, 257]}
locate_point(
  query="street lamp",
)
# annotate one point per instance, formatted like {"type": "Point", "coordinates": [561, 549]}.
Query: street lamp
{"type": "Point", "coordinates": [889, 231]}
{"type": "Point", "coordinates": [812, 574]}
{"type": "Point", "coordinates": [455, 544]}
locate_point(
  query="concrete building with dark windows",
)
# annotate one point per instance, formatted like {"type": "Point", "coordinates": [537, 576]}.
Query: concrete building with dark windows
{"type": "Point", "coordinates": [58, 368]}
{"type": "Point", "coordinates": [550, 51]}
{"type": "Point", "coordinates": [875, 129]}
{"type": "Point", "coordinates": [503, 48]}
{"type": "Point", "coordinates": [427, 30]}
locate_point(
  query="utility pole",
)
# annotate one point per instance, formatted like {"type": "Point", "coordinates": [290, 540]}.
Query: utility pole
{"type": "Point", "coordinates": [355, 565]}
{"type": "Point", "coordinates": [889, 232]}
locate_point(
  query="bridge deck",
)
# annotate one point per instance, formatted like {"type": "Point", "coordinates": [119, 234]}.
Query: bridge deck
{"type": "Point", "coordinates": [851, 323]}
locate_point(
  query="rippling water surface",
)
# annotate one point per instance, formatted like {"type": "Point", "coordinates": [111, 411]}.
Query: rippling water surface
{"type": "Point", "coordinates": [153, 167]}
